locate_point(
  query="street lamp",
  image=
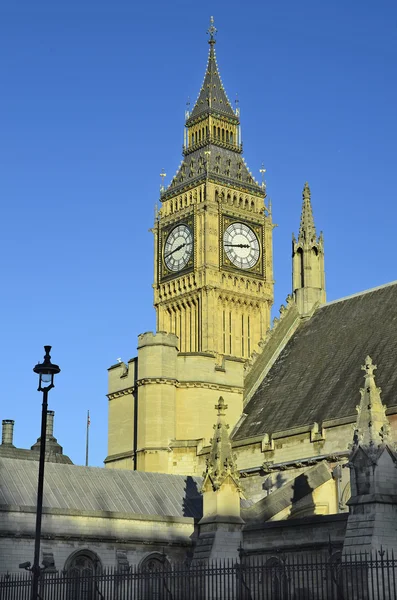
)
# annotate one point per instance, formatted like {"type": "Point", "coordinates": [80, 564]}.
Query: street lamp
{"type": "Point", "coordinates": [46, 371]}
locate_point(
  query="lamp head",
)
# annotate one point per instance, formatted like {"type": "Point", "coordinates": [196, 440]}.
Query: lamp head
{"type": "Point", "coordinates": [46, 371]}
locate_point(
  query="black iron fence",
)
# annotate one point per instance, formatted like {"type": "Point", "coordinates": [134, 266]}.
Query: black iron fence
{"type": "Point", "coordinates": [306, 577]}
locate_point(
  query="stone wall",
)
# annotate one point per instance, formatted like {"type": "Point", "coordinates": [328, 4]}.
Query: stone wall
{"type": "Point", "coordinates": [64, 533]}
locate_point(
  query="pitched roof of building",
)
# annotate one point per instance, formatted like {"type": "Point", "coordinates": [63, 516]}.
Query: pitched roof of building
{"type": "Point", "coordinates": [78, 488]}
{"type": "Point", "coordinates": [9, 451]}
{"type": "Point", "coordinates": [317, 376]}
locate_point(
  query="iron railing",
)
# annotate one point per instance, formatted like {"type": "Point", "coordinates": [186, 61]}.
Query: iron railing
{"type": "Point", "coordinates": [360, 576]}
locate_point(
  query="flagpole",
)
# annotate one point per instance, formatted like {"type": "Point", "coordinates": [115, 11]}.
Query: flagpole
{"type": "Point", "coordinates": [87, 438]}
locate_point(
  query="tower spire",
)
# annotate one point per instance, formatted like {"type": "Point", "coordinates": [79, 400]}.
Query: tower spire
{"type": "Point", "coordinates": [307, 229]}
{"type": "Point", "coordinates": [308, 276]}
{"type": "Point", "coordinates": [212, 96]}
{"type": "Point", "coordinates": [372, 426]}
{"type": "Point", "coordinates": [213, 125]}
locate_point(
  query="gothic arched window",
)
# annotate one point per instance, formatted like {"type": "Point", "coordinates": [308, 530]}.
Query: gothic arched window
{"type": "Point", "coordinates": [275, 579]}
{"type": "Point", "coordinates": [155, 581]}
{"type": "Point", "coordinates": [80, 570]}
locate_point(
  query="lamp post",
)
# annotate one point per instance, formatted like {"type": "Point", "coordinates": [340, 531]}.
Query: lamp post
{"type": "Point", "coordinates": [46, 371]}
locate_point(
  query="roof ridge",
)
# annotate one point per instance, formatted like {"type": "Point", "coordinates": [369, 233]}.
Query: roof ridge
{"type": "Point", "coordinates": [362, 293]}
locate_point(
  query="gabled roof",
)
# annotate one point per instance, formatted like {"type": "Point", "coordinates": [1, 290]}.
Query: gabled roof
{"type": "Point", "coordinates": [317, 376]}
{"type": "Point", "coordinates": [71, 487]}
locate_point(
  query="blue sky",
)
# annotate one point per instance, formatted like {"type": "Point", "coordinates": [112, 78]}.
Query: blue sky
{"type": "Point", "coordinates": [92, 108]}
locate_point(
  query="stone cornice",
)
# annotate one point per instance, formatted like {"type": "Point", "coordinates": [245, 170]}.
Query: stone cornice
{"type": "Point", "coordinates": [156, 380]}
{"type": "Point", "coordinates": [113, 457]}
{"type": "Point", "coordinates": [119, 393]}
{"type": "Point", "coordinates": [189, 384]}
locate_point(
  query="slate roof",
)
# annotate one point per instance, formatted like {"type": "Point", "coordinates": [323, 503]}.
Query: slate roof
{"type": "Point", "coordinates": [212, 95]}
{"type": "Point", "coordinates": [223, 165]}
{"type": "Point", "coordinates": [9, 451]}
{"type": "Point", "coordinates": [318, 374]}
{"type": "Point", "coordinates": [78, 488]}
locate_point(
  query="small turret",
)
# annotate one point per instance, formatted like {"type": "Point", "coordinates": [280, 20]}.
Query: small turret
{"type": "Point", "coordinates": [308, 275]}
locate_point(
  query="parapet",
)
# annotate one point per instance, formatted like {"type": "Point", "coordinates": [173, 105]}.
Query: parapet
{"type": "Point", "coordinates": [121, 376]}
{"type": "Point", "coordinates": [160, 338]}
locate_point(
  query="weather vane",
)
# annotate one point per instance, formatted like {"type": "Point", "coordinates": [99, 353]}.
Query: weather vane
{"type": "Point", "coordinates": [212, 31]}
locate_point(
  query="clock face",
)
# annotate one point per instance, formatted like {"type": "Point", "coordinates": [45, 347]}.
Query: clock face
{"type": "Point", "coordinates": [178, 247]}
{"type": "Point", "coordinates": [241, 245]}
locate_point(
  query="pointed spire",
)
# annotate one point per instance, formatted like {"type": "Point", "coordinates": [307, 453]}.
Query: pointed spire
{"type": "Point", "coordinates": [212, 96]}
{"type": "Point", "coordinates": [221, 463]}
{"type": "Point", "coordinates": [307, 229]}
{"type": "Point", "coordinates": [372, 426]}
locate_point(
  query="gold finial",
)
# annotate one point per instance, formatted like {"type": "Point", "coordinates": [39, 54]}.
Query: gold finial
{"type": "Point", "coordinates": [162, 175]}
{"type": "Point", "coordinates": [221, 406]}
{"type": "Point", "coordinates": [212, 31]}
{"type": "Point", "coordinates": [262, 171]}
{"type": "Point", "coordinates": [306, 191]}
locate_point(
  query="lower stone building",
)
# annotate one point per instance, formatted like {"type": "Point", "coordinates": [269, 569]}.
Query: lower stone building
{"type": "Point", "coordinates": [96, 518]}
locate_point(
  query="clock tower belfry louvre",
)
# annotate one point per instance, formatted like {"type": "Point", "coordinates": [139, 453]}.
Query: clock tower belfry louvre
{"type": "Point", "coordinates": [213, 283]}
{"type": "Point", "coordinates": [213, 291]}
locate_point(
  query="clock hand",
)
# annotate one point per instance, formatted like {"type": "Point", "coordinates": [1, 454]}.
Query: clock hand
{"type": "Point", "coordinates": [174, 250]}
{"type": "Point", "coordinates": [238, 245]}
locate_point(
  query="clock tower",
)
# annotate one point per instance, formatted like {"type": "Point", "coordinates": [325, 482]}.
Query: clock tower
{"type": "Point", "coordinates": [213, 284]}
{"type": "Point", "coordinates": [213, 291]}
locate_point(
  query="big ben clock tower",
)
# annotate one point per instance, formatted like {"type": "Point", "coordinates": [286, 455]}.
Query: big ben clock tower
{"type": "Point", "coordinates": [213, 283]}
{"type": "Point", "coordinates": [213, 290]}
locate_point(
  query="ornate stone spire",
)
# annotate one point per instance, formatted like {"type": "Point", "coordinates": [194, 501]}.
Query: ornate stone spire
{"type": "Point", "coordinates": [307, 229]}
{"type": "Point", "coordinates": [212, 96]}
{"type": "Point", "coordinates": [221, 461]}
{"type": "Point", "coordinates": [372, 427]}
{"type": "Point", "coordinates": [308, 274]}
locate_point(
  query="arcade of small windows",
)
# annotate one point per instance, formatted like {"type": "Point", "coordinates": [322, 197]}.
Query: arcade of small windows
{"type": "Point", "coordinates": [219, 133]}
{"type": "Point", "coordinates": [223, 135]}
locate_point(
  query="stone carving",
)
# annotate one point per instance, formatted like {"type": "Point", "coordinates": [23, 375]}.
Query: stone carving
{"type": "Point", "coordinates": [221, 462]}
